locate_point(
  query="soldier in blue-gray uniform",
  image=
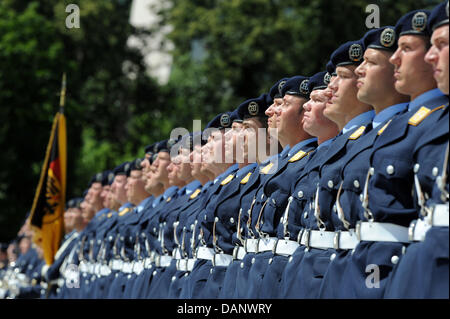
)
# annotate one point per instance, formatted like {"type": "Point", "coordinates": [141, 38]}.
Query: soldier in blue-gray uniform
{"type": "Point", "coordinates": [204, 251]}
{"type": "Point", "coordinates": [375, 87]}
{"type": "Point", "coordinates": [423, 271]}
{"type": "Point", "coordinates": [388, 208]}
{"type": "Point", "coordinates": [223, 215]}
{"type": "Point", "coordinates": [271, 197]}
{"type": "Point", "coordinates": [316, 236]}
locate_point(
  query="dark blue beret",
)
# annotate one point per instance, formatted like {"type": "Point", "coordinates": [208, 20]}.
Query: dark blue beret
{"type": "Point", "coordinates": [297, 85]}
{"type": "Point", "coordinates": [413, 23]}
{"type": "Point", "coordinates": [275, 91]}
{"type": "Point", "coordinates": [85, 193]}
{"type": "Point", "coordinates": [253, 107]}
{"type": "Point", "coordinates": [383, 38]}
{"type": "Point", "coordinates": [97, 178]}
{"type": "Point", "coordinates": [105, 175]}
{"type": "Point", "coordinates": [74, 203]}
{"type": "Point", "coordinates": [220, 121]}
{"type": "Point", "coordinates": [349, 53]}
{"type": "Point", "coordinates": [317, 81]}
{"type": "Point", "coordinates": [438, 17]}
{"type": "Point", "coordinates": [122, 169]}
{"type": "Point", "coordinates": [149, 149]}
{"type": "Point", "coordinates": [136, 165]}
{"type": "Point", "coordinates": [331, 70]}
{"type": "Point", "coordinates": [235, 117]}
{"type": "Point", "coordinates": [110, 177]}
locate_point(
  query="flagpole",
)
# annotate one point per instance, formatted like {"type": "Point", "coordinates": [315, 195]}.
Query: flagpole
{"type": "Point", "coordinates": [62, 99]}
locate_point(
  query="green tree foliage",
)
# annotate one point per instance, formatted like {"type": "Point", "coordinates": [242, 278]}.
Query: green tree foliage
{"type": "Point", "coordinates": [110, 98]}
{"type": "Point", "coordinates": [226, 51]}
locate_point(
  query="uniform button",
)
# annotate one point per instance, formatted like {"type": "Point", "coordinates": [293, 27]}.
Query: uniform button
{"type": "Point", "coordinates": [199, 236]}
{"type": "Point", "coordinates": [435, 171]}
{"type": "Point", "coordinates": [205, 217]}
{"type": "Point", "coordinates": [290, 259]}
{"type": "Point", "coordinates": [371, 171]}
{"type": "Point", "coordinates": [130, 238]}
{"type": "Point", "coordinates": [122, 238]}
{"type": "Point", "coordinates": [361, 197]}
{"type": "Point", "coordinates": [253, 260]}
{"type": "Point", "coordinates": [58, 290]}
{"type": "Point", "coordinates": [242, 265]}
{"type": "Point", "coordinates": [403, 250]}
{"type": "Point", "coordinates": [305, 215]}
{"type": "Point", "coordinates": [117, 275]}
{"type": "Point", "coordinates": [330, 184]}
{"type": "Point", "coordinates": [192, 227]}
{"type": "Point", "coordinates": [416, 167]}
{"type": "Point", "coordinates": [211, 271]}
{"type": "Point", "coordinates": [154, 273]}
{"type": "Point", "coordinates": [270, 261]}
{"type": "Point", "coordinates": [99, 242]}
{"type": "Point", "coordinates": [110, 238]}
{"type": "Point", "coordinates": [356, 183]}
{"type": "Point", "coordinates": [332, 257]}
{"type": "Point", "coordinates": [154, 229]}
{"type": "Point", "coordinates": [186, 274]}
{"type": "Point", "coordinates": [394, 259]}
{"type": "Point", "coordinates": [232, 220]}
{"type": "Point", "coordinates": [87, 282]}
{"type": "Point", "coordinates": [274, 201]}
{"type": "Point", "coordinates": [215, 219]}
{"type": "Point", "coordinates": [390, 169]}
{"type": "Point", "coordinates": [300, 194]}
{"type": "Point", "coordinates": [129, 276]}
{"type": "Point", "coordinates": [334, 208]}
{"type": "Point", "coordinates": [174, 278]}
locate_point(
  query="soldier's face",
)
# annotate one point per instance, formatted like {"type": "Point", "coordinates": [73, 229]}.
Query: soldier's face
{"type": "Point", "coordinates": [250, 136]}
{"type": "Point", "coordinates": [437, 56]}
{"type": "Point", "coordinates": [217, 151]}
{"type": "Point", "coordinates": [94, 199]}
{"type": "Point", "coordinates": [160, 168]}
{"type": "Point", "coordinates": [118, 189]}
{"type": "Point", "coordinates": [77, 219]}
{"type": "Point", "coordinates": [230, 142]}
{"type": "Point", "coordinates": [87, 212]}
{"type": "Point", "coordinates": [184, 172]}
{"type": "Point", "coordinates": [172, 170]}
{"type": "Point", "coordinates": [412, 74]}
{"type": "Point", "coordinates": [135, 187]}
{"type": "Point", "coordinates": [196, 160]}
{"type": "Point", "coordinates": [104, 195]}
{"type": "Point", "coordinates": [68, 220]}
{"type": "Point", "coordinates": [343, 94]}
{"type": "Point", "coordinates": [314, 122]}
{"type": "Point", "coordinates": [290, 115]}
{"type": "Point", "coordinates": [270, 112]}
{"type": "Point", "coordinates": [375, 76]}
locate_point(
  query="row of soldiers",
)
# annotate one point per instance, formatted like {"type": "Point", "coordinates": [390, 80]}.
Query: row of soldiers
{"type": "Point", "coordinates": [355, 204]}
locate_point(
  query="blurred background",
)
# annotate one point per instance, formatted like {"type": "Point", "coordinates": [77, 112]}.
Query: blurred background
{"type": "Point", "coordinates": [138, 68]}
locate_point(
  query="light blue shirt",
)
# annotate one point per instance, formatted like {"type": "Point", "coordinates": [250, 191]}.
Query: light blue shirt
{"type": "Point", "coordinates": [388, 113]}
{"type": "Point", "coordinates": [421, 99]}
{"type": "Point", "coordinates": [358, 120]}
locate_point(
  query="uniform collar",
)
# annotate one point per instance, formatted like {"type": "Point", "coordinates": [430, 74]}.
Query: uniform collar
{"type": "Point", "coordinates": [299, 145]}
{"type": "Point", "coordinates": [192, 186]}
{"type": "Point", "coordinates": [244, 170]}
{"type": "Point", "coordinates": [358, 121]}
{"type": "Point", "coordinates": [423, 98]}
{"type": "Point", "coordinates": [229, 170]}
{"type": "Point", "coordinates": [323, 144]}
{"type": "Point", "coordinates": [388, 113]}
{"type": "Point", "coordinates": [142, 204]}
{"type": "Point", "coordinates": [285, 151]}
{"type": "Point", "coordinates": [126, 205]}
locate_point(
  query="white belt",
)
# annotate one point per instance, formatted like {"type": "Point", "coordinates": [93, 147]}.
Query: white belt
{"type": "Point", "coordinates": [267, 244]}
{"type": "Point", "coordinates": [345, 240]}
{"type": "Point", "coordinates": [96, 268]}
{"type": "Point", "coordinates": [148, 263]}
{"type": "Point", "coordinates": [222, 260]}
{"type": "Point", "coordinates": [205, 253]}
{"type": "Point", "coordinates": [164, 261]}
{"type": "Point", "coordinates": [286, 247]}
{"type": "Point", "coordinates": [440, 216]}
{"type": "Point", "coordinates": [385, 232]}
{"type": "Point", "coordinates": [318, 239]}
{"type": "Point", "coordinates": [251, 245]}
{"type": "Point", "coordinates": [176, 254]}
{"type": "Point", "coordinates": [238, 252]}
{"type": "Point", "coordinates": [418, 229]}
{"type": "Point", "coordinates": [127, 267]}
{"type": "Point", "coordinates": [182, 264]}
{"type": "Point", "coordinates": [116, 264]}
{"type": "Point", "coordinates": [191, 263]}
{"type": "Point", "coordinates": [104, 270]}
{"type": "Point", "coordinates": [138, 267]}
